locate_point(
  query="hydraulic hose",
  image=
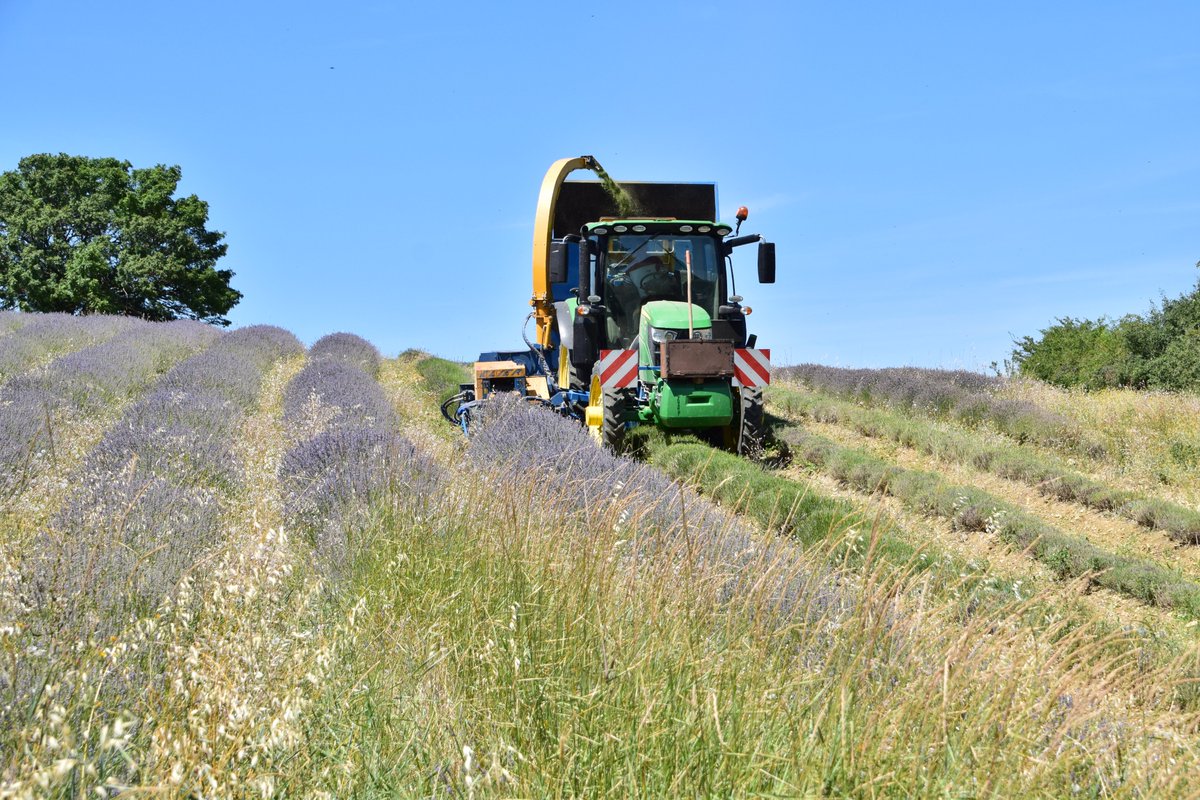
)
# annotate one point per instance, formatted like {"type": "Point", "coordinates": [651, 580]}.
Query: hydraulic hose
{"type": "Point", "coordinates": [453, 418]}
{"type": "Point", "coordinates": [551, 378]}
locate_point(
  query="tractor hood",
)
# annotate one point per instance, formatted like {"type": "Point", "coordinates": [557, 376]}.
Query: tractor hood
{"type": "Point", "coordinates": [674, 314]}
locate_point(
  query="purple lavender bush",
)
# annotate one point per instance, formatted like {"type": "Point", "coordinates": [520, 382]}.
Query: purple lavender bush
{"type": "Point", "coordinates": [359, 463]}
{"type": "Point", "coordinates": [46, 335]}
{"type": "Point", "coordinates": [183, 437]}
{"type": "Point", "coordinates": [152, 489]}
{"type": "Point", "coordinates": [964, 396]}
{"type": "Point", "coordinates": [123, 366]}
{"type": "Point", "coordinates": [348, 348]}
{"type": "Point", "coordinates": [128, 537]}
{"type": "Point", "coordinates": [235, 366]}
{"type": "Point", "coordinates": [332, 481]}
{"type": "Point", "coordinates": [12, 320]}
{"type": "Point", "coordinates": [354, 394]}
{"type": "Point", "coordinates": [84, 381]}
{"type": "Point", "coordinates": [24, 421]}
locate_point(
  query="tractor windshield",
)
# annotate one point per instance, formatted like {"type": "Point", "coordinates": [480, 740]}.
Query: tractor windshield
{"type": "Point", "coordinates": [639, 268]}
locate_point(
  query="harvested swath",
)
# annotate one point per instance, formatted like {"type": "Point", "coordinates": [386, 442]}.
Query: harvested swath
{"type": "Point", "coordinates": [974, 510]}
{"type": "Point", "coordinates": [955, 394]}
{"type": "Point", "coordinates": [85, 382]}
{"type": "Point", "coordinates": [515, 445]}
{"type": "Point", "coordinates": [148, 497]}
{"type": "Point", "coordinates": [356, 464]}
{"type": "Point", "coordinates": [1015, 463]}
{"type": "Point", "coordinates": [45, 336]}
{"type": "Point", "coordinates": [348, 348]}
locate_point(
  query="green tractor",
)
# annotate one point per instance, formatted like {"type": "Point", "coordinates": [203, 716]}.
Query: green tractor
{"type": "Point", "coordinates": [657, 336]}
{"type": "Point", "coordinates": [638, 317]}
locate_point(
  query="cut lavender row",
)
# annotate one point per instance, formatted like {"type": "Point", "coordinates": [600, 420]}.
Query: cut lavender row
{"type": "Point", "coordinates": [85, 381]}
{"type": "Point", "coordinates": [148, 498]}
{"type": "Point", "coordinates": [516, 445]}
{"type": "Point", "coordinates": [357, 463]}
{"type": "Point", "coordinates": [348, 348]}
{"type": "Point", "coordinates": [47, 335]}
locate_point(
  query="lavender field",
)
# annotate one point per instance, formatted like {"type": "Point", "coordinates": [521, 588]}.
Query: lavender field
{"type": "Point", "coordinates": [234, 566]}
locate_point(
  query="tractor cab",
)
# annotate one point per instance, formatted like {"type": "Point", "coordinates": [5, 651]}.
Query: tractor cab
{"type": "Point", "coordinates": [652, 266]}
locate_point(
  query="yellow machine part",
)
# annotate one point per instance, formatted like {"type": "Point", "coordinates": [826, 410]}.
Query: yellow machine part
{"type": "Point", "coordinates": [564, 368]}
{"type": "Point", "coordinates": [537, 386]}
{"type": "Point", "coordinates": [486, 371]}
{"type": "Point", "coordinates": [594, 416]}
{"type": "Point", "coordinates": [543, 224]}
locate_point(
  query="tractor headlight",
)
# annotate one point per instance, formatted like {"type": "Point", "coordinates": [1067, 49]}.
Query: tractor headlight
{"type": "Point", "coordinates": [703, 333]}
{"type": "Point", "coordinates": [661, 335]}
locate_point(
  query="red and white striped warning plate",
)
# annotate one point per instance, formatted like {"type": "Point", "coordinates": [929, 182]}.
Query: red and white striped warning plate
{"type": "Point", "coordinates": [751, 367]}
{"type": "Point", "coordinates": [618, 369]}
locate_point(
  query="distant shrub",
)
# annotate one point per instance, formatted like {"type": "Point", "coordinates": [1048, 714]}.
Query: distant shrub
{"type": "Point", "coordinates": [1160, 350]}
{"type": "Point", "coordinates": [1076, 352]}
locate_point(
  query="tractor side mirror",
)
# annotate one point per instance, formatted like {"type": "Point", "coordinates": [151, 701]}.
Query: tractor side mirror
{"type": "Point", "coordinates": [558, 262]}
{"type": "Point", "coordinates": [766, 262]}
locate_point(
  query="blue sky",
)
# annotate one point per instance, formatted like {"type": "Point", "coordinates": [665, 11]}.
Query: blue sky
{"type": "Point", "coordinates": [938, 177]}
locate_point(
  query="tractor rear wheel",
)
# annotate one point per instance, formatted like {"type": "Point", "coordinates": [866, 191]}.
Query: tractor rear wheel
{"type": "Point", "coordinates": [753, 433]}
{"type": "Point", "coordinates": [612, 430]}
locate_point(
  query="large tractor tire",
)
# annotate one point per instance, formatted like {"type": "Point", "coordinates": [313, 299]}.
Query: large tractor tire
{"type": "Point", "coordinates": [752, 434]}
{"type": "Point", "coordinates": [612, 431]}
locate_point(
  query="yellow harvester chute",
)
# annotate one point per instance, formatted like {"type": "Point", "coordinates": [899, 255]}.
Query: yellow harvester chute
{"type": "Point", "coordinates": [543, 224]}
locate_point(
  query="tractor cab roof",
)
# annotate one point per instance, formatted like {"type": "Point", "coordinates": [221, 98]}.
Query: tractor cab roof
{"type": "Point", "coordinates": [583, 202]}
{"type": "Point", "coordinates": [659, 225]}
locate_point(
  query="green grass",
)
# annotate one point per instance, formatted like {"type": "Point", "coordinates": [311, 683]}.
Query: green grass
{"type": "Point", "coordinates": [443, 377]}
{"type": "Point", "coordinates": [503, 647]}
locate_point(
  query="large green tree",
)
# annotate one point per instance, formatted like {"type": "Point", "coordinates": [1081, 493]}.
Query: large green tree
{"type": "Point", "coordinates": [95, 235]}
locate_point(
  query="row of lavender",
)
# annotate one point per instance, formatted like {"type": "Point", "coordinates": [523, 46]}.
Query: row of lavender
{"type": "Point", "coordinates": [967, 397]}
{"type": "Point", "coordinates": [147, 499]}
{"type": "Point", "coordinates": [88, 382]}
{"type": "Point", "coordinates": [517, 446]}
{"type": "Point", "coordinates": [29, 340]}
{"type": "Point", "coordinates": [348, 457]}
